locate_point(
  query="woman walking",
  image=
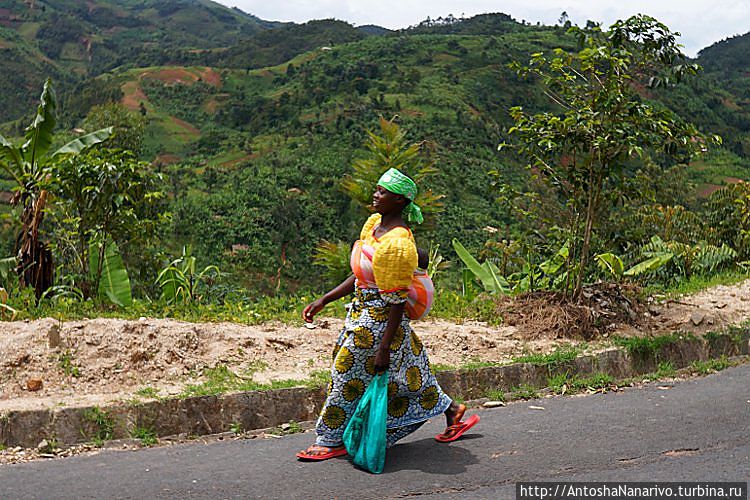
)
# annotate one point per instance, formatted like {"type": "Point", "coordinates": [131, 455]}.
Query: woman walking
{"type": "Point", "coordinates": [377, 335]}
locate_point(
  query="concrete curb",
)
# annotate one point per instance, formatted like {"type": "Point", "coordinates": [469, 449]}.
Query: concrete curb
{"type": "Point", "coordinates": [262, 409]}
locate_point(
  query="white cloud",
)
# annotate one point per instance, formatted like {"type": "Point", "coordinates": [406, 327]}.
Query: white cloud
{"type": "Point", "coordinates": [701, 22]}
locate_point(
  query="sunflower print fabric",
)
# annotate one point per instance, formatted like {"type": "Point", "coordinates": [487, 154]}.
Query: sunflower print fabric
{"type": "Point", "coordinates": [414, 395]}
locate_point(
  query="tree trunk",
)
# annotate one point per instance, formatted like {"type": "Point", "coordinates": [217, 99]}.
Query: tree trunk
{"type": "Point", "coordinates": [591, 213]}
{"type": "Point", "coordinates": [35, 264]}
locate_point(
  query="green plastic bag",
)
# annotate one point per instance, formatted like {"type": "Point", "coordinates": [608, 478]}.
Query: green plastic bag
{"type": "Point", "coordinates": [364, 436]}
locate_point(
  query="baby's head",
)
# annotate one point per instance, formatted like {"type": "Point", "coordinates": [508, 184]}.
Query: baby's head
{"type": "Point", "coordinates": [423, 258]}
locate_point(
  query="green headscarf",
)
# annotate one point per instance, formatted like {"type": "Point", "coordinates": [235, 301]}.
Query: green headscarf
{"type": "Point", "coordinates": [396, 182]}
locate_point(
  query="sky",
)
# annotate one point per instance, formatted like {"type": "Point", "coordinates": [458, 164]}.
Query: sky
{"type": "Point", "coordinates": [701, 22]}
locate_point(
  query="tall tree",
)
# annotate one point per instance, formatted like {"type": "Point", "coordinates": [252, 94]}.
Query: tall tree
{"type": "Point", "coordinates": [603, 119]}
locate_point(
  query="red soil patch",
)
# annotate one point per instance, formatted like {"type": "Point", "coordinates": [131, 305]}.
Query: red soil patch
{"type": "Point", "coordinates": [728, 103]}
{"type": "Point", "coordinates": [185, 125]}
{"type": "Point", "coordinates": [184, 76]}
{"type": "Point", "coordinates": [232, 163]}
{"type": "Point", "coordinates": [133, 96]}
{"type": "Point", "coordinates": [211, 77]}
{"type": "Point", "coordinates": [166, 159]}
{"type": "Point", "coordinates": [707, 190]}
{"type": "Point", "coordinates": [172, 75]}
{"type": "Point", "coordinates": [412, 112]}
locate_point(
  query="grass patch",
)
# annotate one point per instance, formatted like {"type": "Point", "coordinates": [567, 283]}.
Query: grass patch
{"type": "Point", "coordinates": [594, 382]}
{"type": "Point", "coordinates": [148, 392]}
{"type": "Point", "coordinates": [524, 391]}
{"type": "Point", "coordinates": [285, 429]}
{"type": "Point", "coordinates": [453, 306]}
{"type": "Point", "coordinates": [475, 364]}
{"type": "Point", "coordinates": [559, 383]}
{"type": "Point", "coordinates": [709, 366]}
{"type": "Point", "coordinates": [665, 370]}
{"type": "Point", "coordinates": [146, 435]}
{"type": "Point", "coordinates": [560, 356]}
{"type": "Point", "coordinates": [697, 283]}
{"type": "Point", "coordinates": [649, 346]}
{"type": "Point", "coordinates": [241, 310]}
{"type": "Point", "coordinates": [735, 333]}
{"type": "Point", "coordinates": [496, 395]}
{"type": "Point", "coordinates": [103, 422]}
{"type": "Point", "coordinates": [563, 383]}
{"type": "Point", "coordinates": [221, 380]}
{"type": "Point", "coordinates": [440, 367]}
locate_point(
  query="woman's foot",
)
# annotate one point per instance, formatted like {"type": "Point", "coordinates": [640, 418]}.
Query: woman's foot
{"type": "Point", "coordinates": [455, 431]}
{"type": "Point", "coordinates": [455, 425]}
{"type": "Point", "coordinates": [317, 452]}
{"type": "Point", "coordinates": [454, 413]}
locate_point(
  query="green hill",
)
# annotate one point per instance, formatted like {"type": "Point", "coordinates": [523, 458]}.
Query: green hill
{"type": "Point", "coordinates": [256, 135]}
{"type": "Point", "coordinates": [71, 40]}
{"type": "Point", "coordinates": [727, 66]}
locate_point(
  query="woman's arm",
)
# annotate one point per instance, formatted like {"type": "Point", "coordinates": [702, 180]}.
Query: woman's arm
{"type": "Point", "coordinates": [383, 357]}
{"type": "Point", "coordinates": [345, 288]}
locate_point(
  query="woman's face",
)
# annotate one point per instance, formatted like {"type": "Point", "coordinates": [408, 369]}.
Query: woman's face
{"type": "Point", "coordinates": [385, 202]}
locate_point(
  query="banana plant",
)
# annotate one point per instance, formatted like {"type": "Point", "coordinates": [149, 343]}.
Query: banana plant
{"type": "Point", "coordinates": [108, 272]}
{"type": "Point", "coordinates": [28, 165]}
{"type": "Point", "coordinates": [487, 273]}
{"type": "Point", "coordinates": [179, 282]}
{"type": "Point", "coordinates": [547, 275]}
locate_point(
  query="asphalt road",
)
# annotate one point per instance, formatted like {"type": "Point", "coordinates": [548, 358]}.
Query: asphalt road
{"type": "Point", "coordinates": [693, 430]}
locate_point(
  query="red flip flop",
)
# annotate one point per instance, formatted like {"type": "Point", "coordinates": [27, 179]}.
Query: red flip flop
{"type": "Point", "coordinates": [455, 431]}
{"type": "Point", "coordinates": [307, 457]}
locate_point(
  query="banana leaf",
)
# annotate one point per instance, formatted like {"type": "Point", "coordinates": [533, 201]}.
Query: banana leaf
{"type": "Point", "coordinates": [611, 263]}
{"type": "Point", "coordinates": [85, 141]}
{"type": "Point", "coordinates": [13, 163]}
{"type": "Point", "coordinates": [172, 282]}
{"type": "Point", "coordinates": [40, 133]}
{"type": "Point", "coordinates": [650, 264]}
{"type": "Point", "coordinates": [468, 284]}
{"type": "Point", "coordinates": [114, 282]}
{"type": "Point", "coordinates": [499, 283]}
{"type": "Point", "coordinates": [482, 273]}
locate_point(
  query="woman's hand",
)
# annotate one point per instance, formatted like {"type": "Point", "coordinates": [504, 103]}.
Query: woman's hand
{"type": "Point", "coordinates": [345, 288]}
{"type": "Point", "coordinates": [382, 360]}
{"type": "Point", "coordinates": [311, 310]}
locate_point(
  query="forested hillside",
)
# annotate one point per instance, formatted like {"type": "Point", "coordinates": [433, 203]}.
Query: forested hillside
{"type": "Point", "coordinates": [71, 40]}
{"type": "Point", "coordinates": [254, 125]}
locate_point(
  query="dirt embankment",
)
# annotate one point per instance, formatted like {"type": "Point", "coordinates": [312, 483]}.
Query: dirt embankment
{"type": "Point", "coordinates": [45, 363]}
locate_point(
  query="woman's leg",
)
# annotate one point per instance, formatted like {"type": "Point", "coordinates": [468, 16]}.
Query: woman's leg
{"type": "Point", "coordinates": [454, 413]}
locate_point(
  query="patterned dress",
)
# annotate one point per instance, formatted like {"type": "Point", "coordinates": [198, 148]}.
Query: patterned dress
{"type": "Point", "coordinates": [414, 395]}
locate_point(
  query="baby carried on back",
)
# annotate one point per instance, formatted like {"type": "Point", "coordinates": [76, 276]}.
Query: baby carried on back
{"type": "Point", "coordinates": [421, 290]}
